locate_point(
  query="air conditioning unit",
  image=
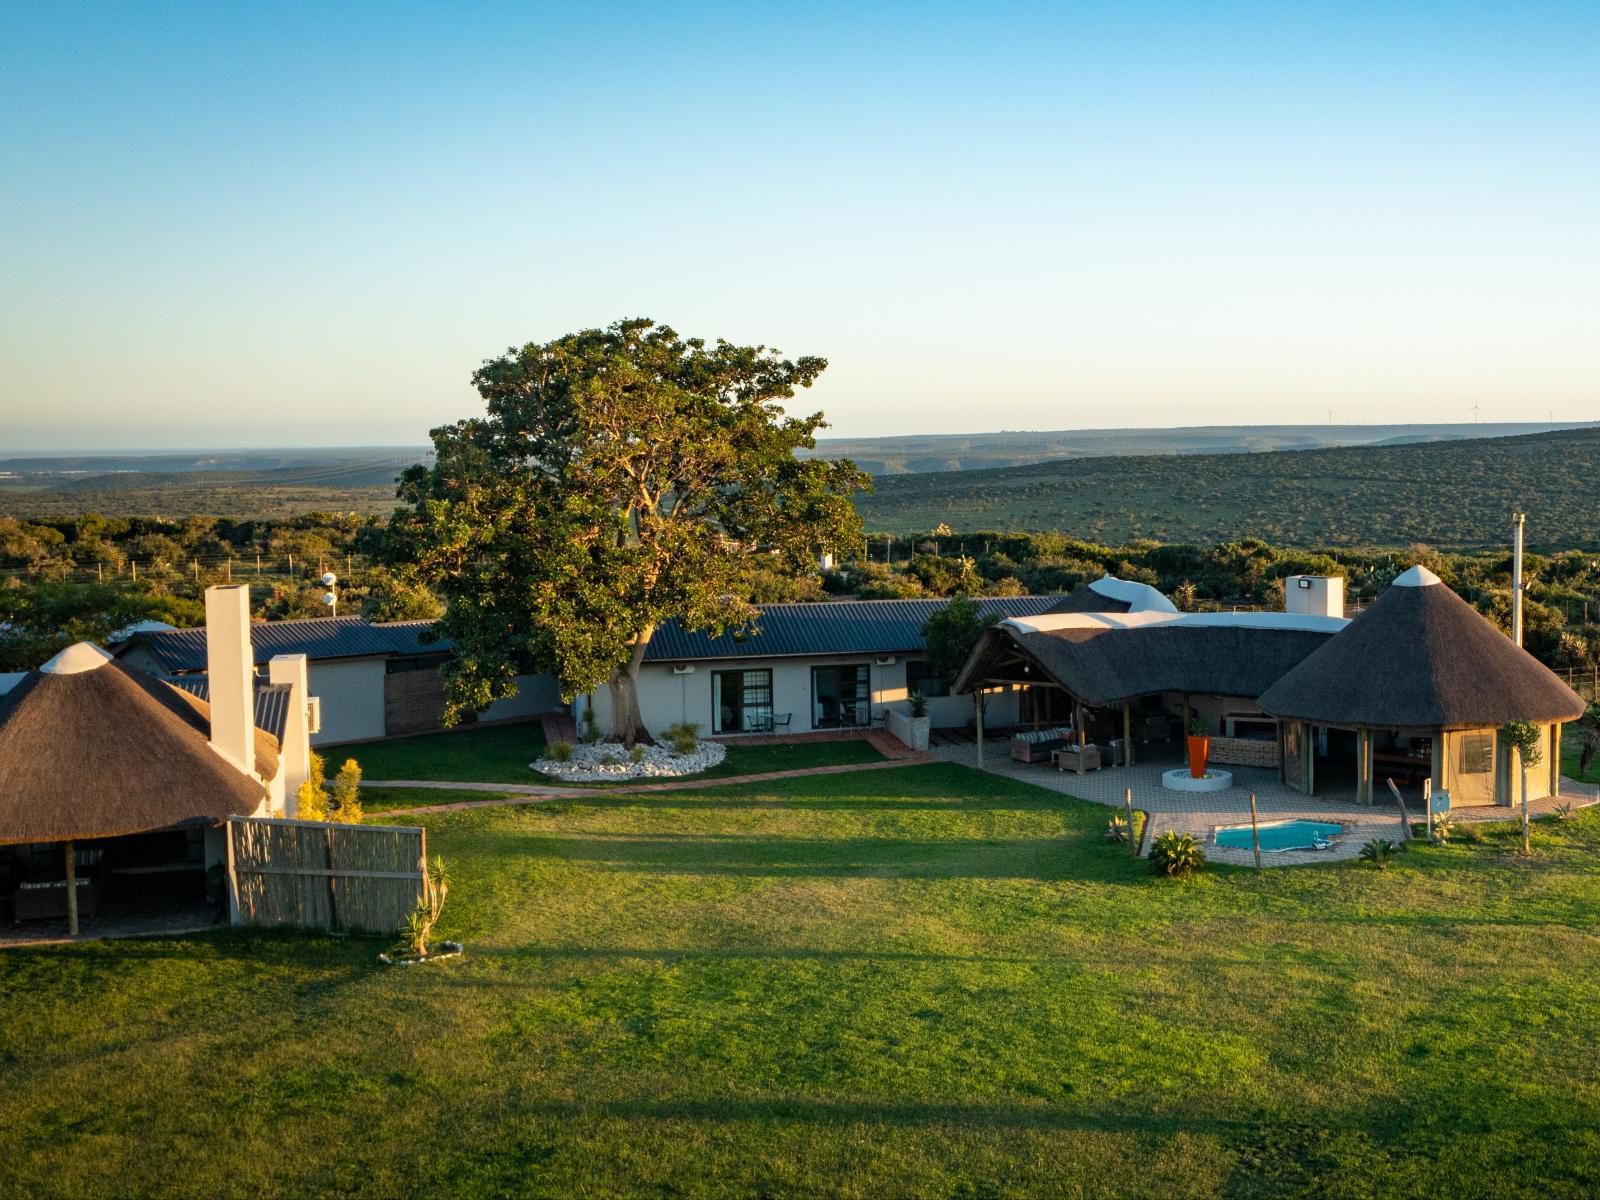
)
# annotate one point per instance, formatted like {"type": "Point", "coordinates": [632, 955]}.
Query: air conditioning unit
{"type": "Point", "coordinates": [314, 714]}
{"type": "Point", "coordinates": [886, 660]}
{"type": "Point", "coordinates": [683, 669]}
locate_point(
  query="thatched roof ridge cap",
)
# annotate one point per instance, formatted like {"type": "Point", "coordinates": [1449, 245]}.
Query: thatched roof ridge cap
{"type": "Point", "coordinates": [75, 659]}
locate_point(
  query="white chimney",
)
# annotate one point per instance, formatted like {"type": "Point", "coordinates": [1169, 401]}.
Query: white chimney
{"type": "Point", "coordinates": [230, 668]}
{"type": "Point", "coordinates": [1314, 595]}
{"type": "Point", "coordinates": [291, 669]}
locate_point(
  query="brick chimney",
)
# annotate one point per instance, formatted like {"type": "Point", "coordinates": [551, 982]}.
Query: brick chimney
{"type": "Point", "coordinates": [230, 668]}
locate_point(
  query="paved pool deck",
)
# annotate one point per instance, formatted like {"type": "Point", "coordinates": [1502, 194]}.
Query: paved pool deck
{"type": "Point", "coordinates": [1200, 814]}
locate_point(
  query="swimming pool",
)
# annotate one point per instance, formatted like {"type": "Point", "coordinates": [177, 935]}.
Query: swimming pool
{"type": "Point", "coordinates": [1280, 835]}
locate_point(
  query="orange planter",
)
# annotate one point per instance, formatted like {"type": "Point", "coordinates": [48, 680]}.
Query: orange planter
{"type": "Point", "coordinates": [1199, 751]}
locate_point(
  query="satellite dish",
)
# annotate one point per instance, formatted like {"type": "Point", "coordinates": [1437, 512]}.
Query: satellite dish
{"type": "Point", "coordinates": [328, 598]}
{"type": "Point", "coordinates": [329, 579]}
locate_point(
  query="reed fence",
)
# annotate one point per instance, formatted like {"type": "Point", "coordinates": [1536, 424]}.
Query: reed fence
{"type": "Point", "coordinates": [324, 875]}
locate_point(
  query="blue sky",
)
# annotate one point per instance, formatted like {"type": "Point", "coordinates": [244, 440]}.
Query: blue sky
{"type": "Point", "coordinates": [250, 224]}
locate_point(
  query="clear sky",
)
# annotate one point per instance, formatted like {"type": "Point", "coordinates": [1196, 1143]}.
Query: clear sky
{"type": "Point", "coordinates": [236, 224]}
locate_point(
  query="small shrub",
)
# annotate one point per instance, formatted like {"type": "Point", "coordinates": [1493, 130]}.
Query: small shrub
{"type": "Point", "coordinates": [346, 802]}
{"type": "Point", "coordinates": [1444, 829]}
{"type": "Point", "coordinates": [419, 925]}
{"type": "Point", "coordinates": [1198, 726]}
{"type": "Point", "coordinates": [919, 704]}
{"type": "Point", "coordinates": [636, 755]}
{"type": "Point", "coordinates": [561, 751]}
{"type": "Point", "coordinates": [612, 759]}
{"type": "Point", "coordinates": [1564, 811]}
{"type": "Point", "coordinates": [682, 737]}
{"type": "Point", "coordinates": [1117, 830]}
{"type": "Point", "coordinates": [591, 728]}
{"type": "Point", "coordinates": [1176, 854]}
{"type": "Point", "coordinates": [1379, 852]}
{"type": "Point", "coordinates": [311, 798]}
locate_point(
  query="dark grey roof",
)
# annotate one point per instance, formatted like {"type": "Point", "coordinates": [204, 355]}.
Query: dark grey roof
{"type": "Point", "coordinates": [272, 701]}
{"type": "Point", "coordinates": [829, 627]}
{"type": "Point", "coordinates": [1088, 600]}
{"type": "Point", "coordinates": [315, 637]}
{"type": "Point", "coordinates": [1421, 657]}
{"type": "Point", "coordinates": [1107, 664]}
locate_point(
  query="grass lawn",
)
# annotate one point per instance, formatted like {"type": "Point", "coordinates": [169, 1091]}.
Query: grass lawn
{"type": "Point", "coordinates": [914, 982]}
{"type": "Point", "coordinates": [1571, 754]}
{"type": "Point", "coordinates": [501, 754]}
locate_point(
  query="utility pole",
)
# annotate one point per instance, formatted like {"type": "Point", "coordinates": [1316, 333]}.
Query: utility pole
{"type": "Point", "coordinates": [1516, 577]}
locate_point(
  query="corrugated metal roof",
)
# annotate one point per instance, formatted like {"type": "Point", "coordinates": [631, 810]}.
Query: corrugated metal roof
{"type": "Point", "coordinates": [315, 637]}
{"type": "Point", "coordinates": [830, 627]}
{"type": "Point", "coordinates": [272, 701]}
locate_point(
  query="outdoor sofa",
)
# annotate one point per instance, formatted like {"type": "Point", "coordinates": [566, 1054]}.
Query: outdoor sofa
{"type": "Point", "coordinates": [1035, 745]}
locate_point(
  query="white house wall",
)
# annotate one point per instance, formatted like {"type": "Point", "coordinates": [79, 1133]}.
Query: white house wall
{"type": "Point", "coordinates": [667, 698]}
{"type": "Point", "coordinates": [536, 694]}
{"type": "Point", "coordinates": [351, 695]}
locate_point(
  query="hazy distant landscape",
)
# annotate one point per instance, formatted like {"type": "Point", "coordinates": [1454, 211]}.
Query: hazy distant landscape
{"type": "Point", "coordinates": [1292, 485]}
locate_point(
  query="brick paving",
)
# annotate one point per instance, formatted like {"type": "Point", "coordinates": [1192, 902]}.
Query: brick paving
{"type": "Point", "coordinates": [1201, 813]}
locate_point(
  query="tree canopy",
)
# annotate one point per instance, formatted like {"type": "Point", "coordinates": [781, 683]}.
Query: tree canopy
{"type": "Point", "coordinates": [620, 477]}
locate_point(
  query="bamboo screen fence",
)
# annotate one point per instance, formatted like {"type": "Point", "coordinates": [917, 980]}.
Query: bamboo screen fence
{"type": "Point", "coordinates": [322, 875]}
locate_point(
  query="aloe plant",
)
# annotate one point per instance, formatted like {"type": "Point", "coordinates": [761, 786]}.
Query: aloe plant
{"type": "Point", "coordinates": [1176, 854]}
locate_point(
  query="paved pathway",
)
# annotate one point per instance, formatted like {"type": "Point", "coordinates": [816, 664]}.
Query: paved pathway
{"type": "Point", "coordinates": [1202, 813]}
{"type": "Point", "coordinates": [534, 793]}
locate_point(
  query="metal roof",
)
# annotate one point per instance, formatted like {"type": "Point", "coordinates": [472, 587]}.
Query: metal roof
{"type": "Point", "coordinates": [827, 627]}
{"type": "Point", "coordinates": [315, 637]}
{"type": "Point", "coordinates": [272, 701]}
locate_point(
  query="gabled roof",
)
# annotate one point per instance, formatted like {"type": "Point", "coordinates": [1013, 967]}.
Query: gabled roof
{"type": "Point", "coordinates": [1106, 658]}
{"type": "Point", "coordinates": [1421, 657]}
{"type": "Point", "coordinates": [827, 627]}
{"type": "Point", "coordinates": [318, 638]}
{"type": "Point", "coordinates": [271, 701]}
{"type": "Point", "coordinates": [89, 748]}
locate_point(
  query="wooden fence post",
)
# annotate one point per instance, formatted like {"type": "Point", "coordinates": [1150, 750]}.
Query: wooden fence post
{"type": "Point", "coordinates": [1255, 831]}
{"type": "Point", "coordinates": [1133, 838]}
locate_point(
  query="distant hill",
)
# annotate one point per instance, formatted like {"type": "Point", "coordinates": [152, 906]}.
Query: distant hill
{"type": "Point", "coordinates": [917, 453]}
{"type": "Point", "coordinates": [1449, 493]}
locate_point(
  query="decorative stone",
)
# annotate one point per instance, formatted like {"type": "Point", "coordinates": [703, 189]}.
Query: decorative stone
{"type": "Point", "coordinates": [605, 762]}
{"type": "Point", "coordinates": [1213, 780]}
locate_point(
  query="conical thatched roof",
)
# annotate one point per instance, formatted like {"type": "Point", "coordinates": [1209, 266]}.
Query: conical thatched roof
{"type": "Point", "coordinates": [89, 748]}
{"type": "Point", "coordinates": [1421, 657]}
{"type": "Point", "coordinates": [1113, 595]}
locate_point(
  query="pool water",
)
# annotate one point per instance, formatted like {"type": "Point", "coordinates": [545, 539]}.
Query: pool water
{"type": "Point", "coordinates": [1279, 835]}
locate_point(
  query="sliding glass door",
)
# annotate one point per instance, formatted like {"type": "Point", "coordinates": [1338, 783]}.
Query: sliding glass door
{"type": "Point", "coordinates": [841, 696]}
{"type": "Point", "coordinates": [741, 701]}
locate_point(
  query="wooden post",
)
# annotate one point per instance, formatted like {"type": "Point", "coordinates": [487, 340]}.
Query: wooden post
{"type": "Point", "coordinates": [1405, 821]}
{"type": "Point", "coordinates": [1077, 717]}
{"type": "Point", "coordinates": [1127, 808]}
{"type": "Point", "coordinates": [258, 563]}
{"type": "Point", "coordinates": [135, 566]}
{"type": "Point", "coordinates": [72, 889]}
{"type": "Point", "coordinates": [1255, 831]}
{"type": "Point", "coordinates": [977, 719]}
{"type": "Point", "coordinates": [233, 876]}
{"type": "Point", "coordinates": [1127, 735]}
{"type": "Point", "coordinates": [1364, 766]}
{"type": "Point", "coordinates": [229, 569]}
{"type": "Point", "coordinates": [1427, 804]}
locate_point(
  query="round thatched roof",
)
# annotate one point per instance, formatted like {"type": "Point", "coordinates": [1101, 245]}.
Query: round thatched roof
{"type": "Point", "coordinates": [1421, 657]}
{"type": "Point", "coordinates": [89, 748]}
{"type": "Point", "coordinates": [1113, 595]}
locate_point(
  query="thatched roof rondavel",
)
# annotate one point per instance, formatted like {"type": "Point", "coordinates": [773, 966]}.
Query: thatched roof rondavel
{"type": "Point", "coordinates": [1421, 657]}
{"type": "Point", "coordinates": [90, 748]}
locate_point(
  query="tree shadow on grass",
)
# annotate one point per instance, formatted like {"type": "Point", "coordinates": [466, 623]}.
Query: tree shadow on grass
{"type": "Point", "coordinates": [1036, 858]}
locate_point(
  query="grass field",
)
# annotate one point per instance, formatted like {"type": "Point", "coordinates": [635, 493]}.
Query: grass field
{"type": "Point", "coordinates": [501, 754]}
{"type": "Point", "coordinates": [913, 982]}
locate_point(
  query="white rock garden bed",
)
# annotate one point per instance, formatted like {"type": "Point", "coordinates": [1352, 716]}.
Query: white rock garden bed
{"type": "Point", "coordinates": [610, 763]}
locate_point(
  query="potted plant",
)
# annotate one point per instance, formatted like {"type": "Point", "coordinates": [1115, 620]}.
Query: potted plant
{"type": "Point", "coordinates": [919, 721]}
{"type": "Point", "coordinates": [1199, 746]}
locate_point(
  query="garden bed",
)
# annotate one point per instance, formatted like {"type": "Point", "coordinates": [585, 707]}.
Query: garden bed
{"type": "Point", "coordinates": [610, 763]}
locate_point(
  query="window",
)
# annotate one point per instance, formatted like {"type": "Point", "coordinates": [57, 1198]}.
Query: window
{"type": "Point", "coordinates": [741, 701]}
{"type": "Point", "coordinates": [841, 696]}
{"type": "Point", "coordinates": [919, 678]}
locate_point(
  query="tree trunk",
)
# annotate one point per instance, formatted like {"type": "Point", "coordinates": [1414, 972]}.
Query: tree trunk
{"type": "Point", "coordinates": [1526, 847]}
{"type": "Point", "coordinates": [627, 723]}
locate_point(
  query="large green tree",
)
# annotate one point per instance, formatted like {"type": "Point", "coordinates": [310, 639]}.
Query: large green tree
{"type": "Point", "coordinates": [620, 477]}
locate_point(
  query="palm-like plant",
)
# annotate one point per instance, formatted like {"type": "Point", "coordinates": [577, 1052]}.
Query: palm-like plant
{"type": "Point", "coordinates": [1117, 830]}
{"type": "Point", "coordinates": [1176, 854]}
{"type": "Point", "coordinates": [1379, 852]}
